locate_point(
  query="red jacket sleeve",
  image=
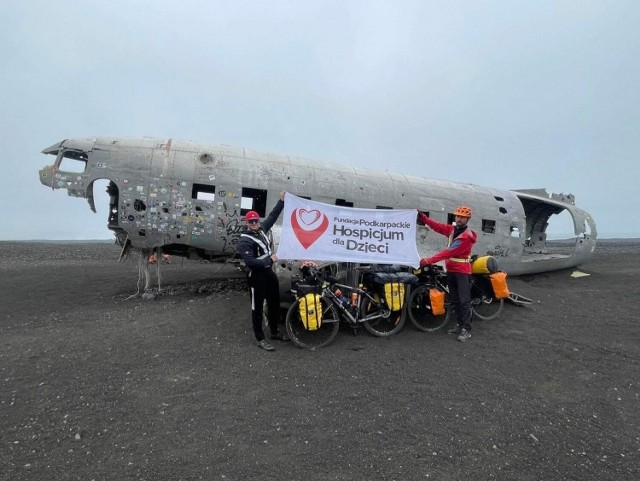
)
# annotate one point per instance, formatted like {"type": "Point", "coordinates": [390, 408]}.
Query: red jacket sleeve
{"type": "Point", "coordinates": [439, 227]}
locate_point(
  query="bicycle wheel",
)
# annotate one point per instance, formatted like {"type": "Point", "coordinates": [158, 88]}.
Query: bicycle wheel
{"type": "Point", "coordinates": [483, 304]}
{"type": "Point", "coordinates": [421, 314]}
{"type": "Point", "coordinates": [306, 339]}
{"type": "Point", "coordinates": [388, 322]}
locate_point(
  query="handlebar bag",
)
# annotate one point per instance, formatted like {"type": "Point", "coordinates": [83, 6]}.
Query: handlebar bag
{"type": "Point", "coordinates": [304, 289]}
{"type": "Point", "coordinates": [382, 278]}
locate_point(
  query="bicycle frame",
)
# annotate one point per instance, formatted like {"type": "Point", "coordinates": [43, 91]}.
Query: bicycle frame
{"type": "Point", "coordinates": [483, 305]}
{"type": "Point", "coordinates": [370, 312]}
{"type": "Point", "coordinates": [328, 292]}
{"type": "Point", "coordinates": [421, 311]}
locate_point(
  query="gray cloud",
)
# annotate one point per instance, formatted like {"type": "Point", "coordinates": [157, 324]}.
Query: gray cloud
{"type": "Point", "coordinates": [506, 94]}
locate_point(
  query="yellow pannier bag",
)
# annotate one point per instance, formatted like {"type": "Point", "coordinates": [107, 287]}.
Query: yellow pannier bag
{"type": "Point", "coordinates": [499, 284]}
{"type": "Point", "coordinates": [394, 295]}
{"type": "Point", "coordinates": [310, 308]}
{"type": "Point", "coordinates": [436, 296]}
{"type": "Point", "coordinates": [484, 265]}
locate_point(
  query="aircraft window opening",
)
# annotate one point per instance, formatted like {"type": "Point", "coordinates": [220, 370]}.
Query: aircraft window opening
{"type": "Point", "coordinates": [203, 192]}
{"type": "Point", "coordinates": [113, 193]}
{"type": "Point", "coordinates": [558, 225]}
{"type": "Point", "coordinates": [502, 210]}
{"type": "Point", "coordinates": [451, 218]}
{"type": "Point", "coordinates": [344, 203]}
{"type": "Point", "coordinates": [139, 206]}
{"type": "Point", "coordinates": [489, 226]}
{"type": "Point", "coordinates": [499, 199]}
{"type": "Point", "coordinates": [253, 199]}
{"type": "Point", "coordinates": [74, 162]}
{"type": "Point", "coordinates": [383, 207]}
{"type": "Point", "coordinates": [514, 231]}
{"type": "Point", "coordinates": [304, 197]}
{"type": "Point", "coordinates": [206, 158]}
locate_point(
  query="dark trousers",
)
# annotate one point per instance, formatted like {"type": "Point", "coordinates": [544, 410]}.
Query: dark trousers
{"type": "Point", "coordinates": [264, 285]}
{"type": "Point", "coordinates": [460, 291]}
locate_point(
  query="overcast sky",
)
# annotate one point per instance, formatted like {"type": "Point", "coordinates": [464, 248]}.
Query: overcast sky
{"type": "Point", "coordinates": [506, 93]}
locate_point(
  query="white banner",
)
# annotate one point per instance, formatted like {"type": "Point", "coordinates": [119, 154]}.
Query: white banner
{"type": "Point", "coordinates": [322, 232]}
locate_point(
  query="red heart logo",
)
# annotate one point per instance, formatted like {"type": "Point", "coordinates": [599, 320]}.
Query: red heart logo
{"type": "Point", "coordinates": [311, 226]}
{"type": "Point", "coordinates": [308, 217]}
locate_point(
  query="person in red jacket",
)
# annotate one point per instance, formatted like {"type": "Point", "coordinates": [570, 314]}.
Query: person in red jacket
{"type": "Point", "coordinates": [457, 257]}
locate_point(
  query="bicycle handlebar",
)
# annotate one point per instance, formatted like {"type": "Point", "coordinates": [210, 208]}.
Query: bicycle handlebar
{"type": "Point", "coordinates": [313, 274]}
{"type": "Point", "coordinates": [431, 269]}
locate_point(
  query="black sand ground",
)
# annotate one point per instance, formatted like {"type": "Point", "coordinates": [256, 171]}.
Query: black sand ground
{"type": "Point", "coordinates": [95, 386]}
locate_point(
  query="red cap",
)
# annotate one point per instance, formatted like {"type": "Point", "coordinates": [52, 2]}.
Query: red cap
{"type": "Point", "coordinates": [251, 215]}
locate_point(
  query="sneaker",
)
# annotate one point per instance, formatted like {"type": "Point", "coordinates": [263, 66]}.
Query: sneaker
{"type": "Point", "coordinates": [455, 329]}
{"type": "Point", "coordinates": [280, 337]}
{"type": "Point", "coordinates": [265, 345]}
{"type": "Point", "coordinates": [464, 335]}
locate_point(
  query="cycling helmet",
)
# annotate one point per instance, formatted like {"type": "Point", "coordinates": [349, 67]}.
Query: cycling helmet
{"type": "Point", "coordinates": [463, 211]}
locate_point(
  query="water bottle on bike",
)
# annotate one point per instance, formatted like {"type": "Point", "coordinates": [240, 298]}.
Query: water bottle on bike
{"type": "Point", "coordinates": [343, 300]}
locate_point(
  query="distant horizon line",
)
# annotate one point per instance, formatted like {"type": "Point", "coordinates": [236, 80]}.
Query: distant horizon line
{"type": "Point", "coordinates": [552, 237]}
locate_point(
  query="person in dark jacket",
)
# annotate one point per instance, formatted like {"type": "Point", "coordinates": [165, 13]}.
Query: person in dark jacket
{"type": "Point", "coordinates": [255, 250]}
{"type": "Point", "coordinates": [457, 257]}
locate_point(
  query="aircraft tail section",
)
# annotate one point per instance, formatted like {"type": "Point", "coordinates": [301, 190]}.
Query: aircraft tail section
{"type": "Point", "coordinates": [539, 255]}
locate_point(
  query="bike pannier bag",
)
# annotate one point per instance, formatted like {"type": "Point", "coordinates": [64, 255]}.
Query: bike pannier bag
{"type": "Point", "coordinates": [310, 309]}
{"type": "Point", "coordinates": [499, 284]}
{"type": "Point", "coordinates": [484, 265]}
{"type": "Point", "coordinates": [394, 295]}
{"type": "Point", "coordinates": [436, 296]}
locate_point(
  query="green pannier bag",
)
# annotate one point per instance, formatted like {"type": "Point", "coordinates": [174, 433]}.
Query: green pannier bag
{"type": "Point", "coordinates": [310, 308]}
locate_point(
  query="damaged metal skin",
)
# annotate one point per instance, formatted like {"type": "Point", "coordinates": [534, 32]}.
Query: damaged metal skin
{"type": "Point", "coordinates": [189, 199]}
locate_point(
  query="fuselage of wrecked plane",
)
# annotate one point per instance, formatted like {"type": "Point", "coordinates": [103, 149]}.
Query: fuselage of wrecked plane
{"type": "Point", "coordinates": [189, 199]}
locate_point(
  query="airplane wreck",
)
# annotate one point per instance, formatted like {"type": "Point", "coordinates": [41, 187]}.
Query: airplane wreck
{"type": "Point", "coordinates": [188, 199]}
